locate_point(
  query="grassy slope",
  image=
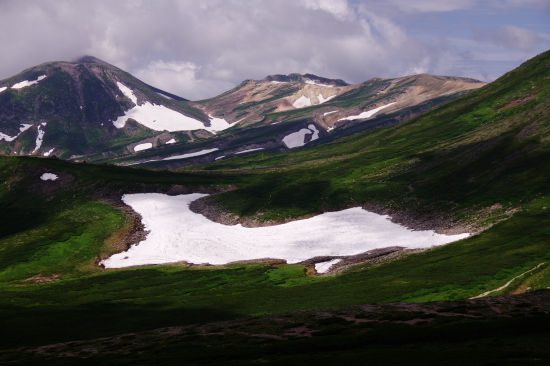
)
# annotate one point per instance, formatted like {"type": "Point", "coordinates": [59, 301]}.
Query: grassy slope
{"type": "Point", "coordinates": [450, 168]}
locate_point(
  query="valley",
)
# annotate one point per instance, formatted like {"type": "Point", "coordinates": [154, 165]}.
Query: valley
{"type": "Point", "coordinates": [475, 164]}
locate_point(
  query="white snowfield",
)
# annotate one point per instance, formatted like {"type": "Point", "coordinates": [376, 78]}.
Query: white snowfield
{"type": "Point", "coordinates": [26, 83]}
{"type": "Point", "coordinates": [366, 114]}
{"type": "Point", "coordinates": [245, 151]}
{"type": "Point", "coordinates": [24, 127]}
{"type": "Point", "coordinates": [278, 82]}
{"type": "Point", "coordinates": [297, 139]}
{"type": "Point", "coordinates": [160, 118]}
{"type": "Point", "coordinates": [178, 234]}
{"type": "Point", "coordinates": [323, 267]}
{"type": "Point", "coordinates": [145, 146]}
{"type": "Point", "coordinates": [47, 153]}
{"type": "Point", "coordinates": [171, 141]}
{"type": "Point", "coordinates": [3, 88]}
{"type": "Point", "coordinates": [48, 176]}
{"type": "Point", "coordinates": [302, 102]}
{"type": "Point", "coordinates": [331, 112]}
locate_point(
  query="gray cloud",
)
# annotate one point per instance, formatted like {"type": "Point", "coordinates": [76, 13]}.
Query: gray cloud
{"type": "Point", "coordinates": [509, 36]}
{"type": "Point", "coordinates": [198, 49]}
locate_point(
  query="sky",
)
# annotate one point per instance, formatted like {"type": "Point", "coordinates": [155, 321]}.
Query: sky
{"type": "Point", "coordinates": [199, 49]}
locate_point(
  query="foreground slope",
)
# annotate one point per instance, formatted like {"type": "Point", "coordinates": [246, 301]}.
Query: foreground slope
{"type": "Point", "coordinates": [478, 161]}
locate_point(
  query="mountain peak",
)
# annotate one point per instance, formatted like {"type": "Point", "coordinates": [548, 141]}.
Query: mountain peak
{"type": "Point", "coordinates": [306, 78]}
{"type": "Point", "coordinates": [87, 59]}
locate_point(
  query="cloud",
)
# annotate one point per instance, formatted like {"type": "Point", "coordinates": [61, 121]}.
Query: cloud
{"type": "Point", "coordinates": [422, 6]}
{"type": "Point", "coordinates": [509, 36]}
{"type": "Point", "coordinates": [199, 49]}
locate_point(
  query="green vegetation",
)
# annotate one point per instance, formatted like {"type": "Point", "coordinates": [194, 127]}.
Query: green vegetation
{"type": "Point", "coordinates": [477, 161]}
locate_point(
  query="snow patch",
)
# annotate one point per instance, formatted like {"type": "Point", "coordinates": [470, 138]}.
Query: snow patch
{"type": "Point", "coordinates": [3, 88]}
{"type": "Point", "coordinates": [26, 83]}
{"type": "Point", "coordinates": [144, 146]}
{"type": "Point", "coordinates": [178, 234]}
{"type": "Point", "coordinates": [278, 82]}
{"type": "Point", "coordinates": [366, 114]}
{"type": "Point", "coordinates": [323, 267]}
{"type": "Point", "coordinates": [166, 96]}
{"type": "Point", "coordinates": [39, 137]}
{"type": "Point", "coordinates": [49, 152]}
{"type": "Point", "coordinates": [128, 93]}
{"type": "Point", "coordinates": [331, 112]}
{"type": "Point", "coordinates": [245, 151]}
{"type": "Point", "coordinates": [297, 139]}
{"type": "Point", "coordinates": [189, 155]}
{"type": "Point", "coordinates": [220, 157]}
{"type": "Point", "coordinates": [314, 83]}
{"type": "Point", "coordinates": [48, 176]}
{"type": "Point", "coordinates": [24, 127]}
{"type": "Point", "coordinates": [160, 118]}
{"type": "Point", "coordinates": [322, 99]}
{"type": "Point", "coordinates": [302, 102]}
{"type": "Point", "coordinates": [171, 141]}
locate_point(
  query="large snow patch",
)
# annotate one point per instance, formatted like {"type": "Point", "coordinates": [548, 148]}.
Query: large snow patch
{"type": "Point", "coordinates": [178, 234]}
{"type": "Point", "coordinates": [160, 118]}
{"type": "Point", "coordinates": [297, 139]}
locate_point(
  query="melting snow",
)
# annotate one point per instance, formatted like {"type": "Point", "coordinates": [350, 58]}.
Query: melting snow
{"type": "Point", "coordinates": [366, 114]}
{"type": "Point", "coordinates": [48, 176]}
{"type": "Point", "coordinates": [301, 102]}
{"type": "Point", "coordinates": [245, 151]}
{"type": "Point", "coordinates": [172, 141]}
{"type": "Point", "coordinates": [278, 82]}
{"type": "Point", "coordinates": [297, 139]}
{"type": "Point", "coordinates": [3, 88]}
{"type": "Point", "coordinates": [23, 128]}
{"type": "Point", "coordinates": [323, 267]}
{"type": "Point", "coordinates": [178, 234]}
{"type": "Point", "coordinates": [144, 146]}
{"type": "Point", "coordinates": [220, 157]}
{"type": "Point", "coordinates": [326, 114]}
{"type": "Point", "coordinates": [49, 152]}
{"type": "Point", "coordinates": [26, 83]}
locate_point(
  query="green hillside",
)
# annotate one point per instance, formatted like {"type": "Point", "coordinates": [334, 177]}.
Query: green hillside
{"type": "Point", "coordinates": [478, 161]}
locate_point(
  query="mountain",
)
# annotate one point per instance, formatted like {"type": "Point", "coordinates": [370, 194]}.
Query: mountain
{"type": "Point", "coordinates": [90, 110]}
{"type": "Point", "coordinates": [478, 164]}
{"type": "Point", "coordinates": [72, 109]}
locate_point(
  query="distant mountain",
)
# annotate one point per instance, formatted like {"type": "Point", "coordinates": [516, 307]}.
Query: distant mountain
{"type": "Point", "coordinates": [91, 110]}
